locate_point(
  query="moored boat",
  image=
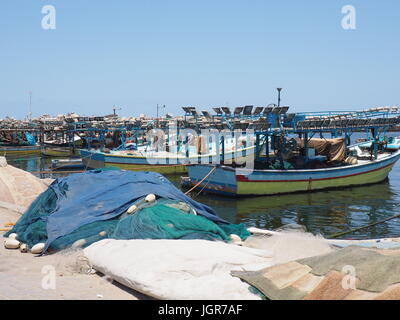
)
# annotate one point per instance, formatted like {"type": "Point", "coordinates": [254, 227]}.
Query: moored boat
{"type": "Point", "coordinates": [59, 152]}
{"type": "Point", "coordinates": [295, 161]}
{"type": "Point", "coordinates": [226, 181]}
{"type": "Point", "coordinates": [161, 162]}
{"type": "Point", "coordinates": [19, 150]}
{"type": "Point", "coordinates": [147, 158]}
{"type": "Point", "coordinates": [64, 164]}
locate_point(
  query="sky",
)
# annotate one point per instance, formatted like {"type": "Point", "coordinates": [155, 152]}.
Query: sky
{"type": "Point", "coordinates": [209, 53]}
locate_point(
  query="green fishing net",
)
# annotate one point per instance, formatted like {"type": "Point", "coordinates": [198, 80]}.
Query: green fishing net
{"type": "Point", "coordinates": [31, 227]}
{"type": "Point", "coordinates": [164, 219]}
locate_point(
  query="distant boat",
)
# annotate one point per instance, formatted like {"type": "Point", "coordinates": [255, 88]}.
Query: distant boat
{"type": "Point", "coordinates": [393, 143]}
{"type": "Point", "coordinates": [61, 148]}
{"type": "Point", "coordinates": [19, 150]}
{"type": "Point", "coordinates": [59, 152]}
{"type": "Point", "coordinates": [162, 162]}
{"type": "Point", "coordinates": [64, 164]}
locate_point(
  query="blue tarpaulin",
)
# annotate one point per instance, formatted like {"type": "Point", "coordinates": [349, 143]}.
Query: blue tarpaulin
{"type": "Point", "coordinates": [30, 138]}
{"type": "Point", "coordinates": [95, 196]}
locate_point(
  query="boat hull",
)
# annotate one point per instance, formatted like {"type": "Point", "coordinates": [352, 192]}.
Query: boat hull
{"type": "Point", "coordinates": [58, 152]}
{"type": "Point", "coordinates": [96, 160]}
{"type": "Point", "coordinates": [226, 181]}
{"type": "Point", "coordinates": [72, 164]}
{"type": "Point", "coordinates": [91, 159]}
{"type": "Point", "coordinates": [19, 150]}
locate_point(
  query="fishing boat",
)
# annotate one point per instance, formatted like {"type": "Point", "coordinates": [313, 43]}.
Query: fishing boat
{"type": "Point", "coordinates": [19, 150]}
{"type": "Point", "coordinates": [392, 143]}
{"type": "Point", "coordinates": [62, 146]}
{"type": "Point", "coordinates": [148, 159]}
{"type": "Point", "coordinates": [225, 180]}
{"type": "Point", "coordinates": [306, 164]}
{"type": "Point", "coordinates": [18, 142]}
{"type": "Point", "coordinates": [67, 164]}
{"type": "Point", "coordinates": [59, 151]}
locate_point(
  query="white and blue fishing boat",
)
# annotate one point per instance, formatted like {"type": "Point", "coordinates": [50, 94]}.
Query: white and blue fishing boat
{"type": "Point", "coordinates": [147, 158]}
{"type": "Point", "coordinates": [390, 143]}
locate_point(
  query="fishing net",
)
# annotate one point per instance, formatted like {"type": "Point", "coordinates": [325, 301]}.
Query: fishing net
{"type": "Point", "coordinates": [18, 187]}
{"type": "Point", "coordinates": [164, 219]}
{"type": "Point", "coordinates": [31, 227]}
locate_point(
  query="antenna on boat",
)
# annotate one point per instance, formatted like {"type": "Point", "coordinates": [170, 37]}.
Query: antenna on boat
{"type": "Point", "coordinates": [279, 96]}
{"type": "Point", "coordinates": [30, 106]}
{"type": "Point", "coordinates": [159, 107]}
{"type": "Point", "coordinates": [114, 109]}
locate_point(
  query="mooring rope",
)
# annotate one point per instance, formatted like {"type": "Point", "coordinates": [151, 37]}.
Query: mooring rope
{"type": "Point", "coordinates": [208, 174]}
{"type": "Point", "coordinates": [335, 235]}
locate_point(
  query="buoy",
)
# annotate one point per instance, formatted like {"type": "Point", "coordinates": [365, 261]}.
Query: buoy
{"type": "Point", "coordinates": [13, 236]}
{"type": "Point", "coordinates": [235, 239]}
{"type": "Point", "coordinates": [37, 248]}
{"type": "Point", "coordinates": [78, 243]}
{"type": "Point", "coordinates": [23, 248]}
{"type": "Point", "coordinates": [150, 198]}
{"type": "Point", "coordinates": [12, 244]}
{"type": "Point", "coordinates": [132, 209]}
{"type": "Point", "coordinates": [102, 234]}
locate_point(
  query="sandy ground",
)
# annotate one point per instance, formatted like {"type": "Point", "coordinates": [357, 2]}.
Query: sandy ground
{"type": "Point", "coordinates": [24, 276]}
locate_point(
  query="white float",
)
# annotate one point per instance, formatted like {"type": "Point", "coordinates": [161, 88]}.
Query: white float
{"type": "Point", "coordinates": [37, 248]}
{"type": "Point", "coordinates": [12, 244]}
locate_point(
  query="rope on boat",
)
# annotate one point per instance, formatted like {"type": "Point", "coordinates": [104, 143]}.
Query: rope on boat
{"type": "Point", "coordinates": [335, 235]}
{"type": "Point", "coordinates": [208, 174]}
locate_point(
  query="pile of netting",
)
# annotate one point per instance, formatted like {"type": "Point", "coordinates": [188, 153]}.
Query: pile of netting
{"type": "Point", "coordinates": [88, 207]}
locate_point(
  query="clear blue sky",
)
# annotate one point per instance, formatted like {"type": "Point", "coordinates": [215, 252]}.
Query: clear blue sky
{"type": "Point", "coordinates": [207, 53]}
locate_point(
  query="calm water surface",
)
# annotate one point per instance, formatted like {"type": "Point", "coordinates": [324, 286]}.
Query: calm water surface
{"type": "Point", "coordinates": [324, 212]}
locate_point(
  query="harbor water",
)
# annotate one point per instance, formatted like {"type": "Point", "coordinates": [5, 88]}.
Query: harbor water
{"type": "Point", "coordinates": [322, 212]}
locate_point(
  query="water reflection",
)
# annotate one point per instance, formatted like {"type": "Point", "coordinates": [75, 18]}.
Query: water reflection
{"type": "Point", "coordinates": [35, 164]}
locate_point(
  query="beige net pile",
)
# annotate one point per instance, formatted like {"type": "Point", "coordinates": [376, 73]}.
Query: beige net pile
{"type": "Point", "coordinates": [19, 188]}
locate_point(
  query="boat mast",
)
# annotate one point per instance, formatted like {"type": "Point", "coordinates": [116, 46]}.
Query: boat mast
{"type": "Point", "coordinates": [30, 106]}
